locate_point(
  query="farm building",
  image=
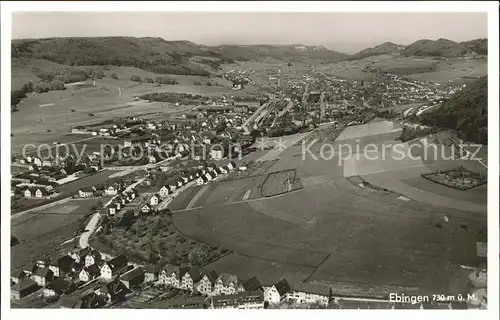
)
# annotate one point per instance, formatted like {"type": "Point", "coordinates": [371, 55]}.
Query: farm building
{"type": "Point", "coordinates": [133, 277]}
{"type": "Point", "coordinates": [23, 288]}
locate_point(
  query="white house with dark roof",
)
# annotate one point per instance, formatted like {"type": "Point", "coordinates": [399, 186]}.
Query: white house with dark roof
{"type": "Point", "coordinates": [89, 273]}
{"type": "Point", "coordinates": [227, 283]}
{"type": "Point", "coordinates": [113, 267]}
{"type": "Point", "coordinates": [278, 292]}
{"type": "Point", "coordinates": [206, 285]}
{"type": "Point", "coordinates": [43, 276]}
{"type": "Point", "coordinates": [111, 190]}
{"type": "Point", "coordinates": [154, 200]}
{"type": "Point", "coordinates": [164, 191]}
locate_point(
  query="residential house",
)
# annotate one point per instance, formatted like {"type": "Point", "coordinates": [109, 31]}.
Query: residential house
{"type": "Point", "coordinates": [164, 191]}
{"type": "Point", "coordinates": [152, 159]}
{"type": "Point", "coordinates": [111, 190]}
{"type": "Point", "coordinates": [43, 276]}
{"type": "Point", "coordinates": [92, 257]}
{"type": "Point", "coordinates": [154, 200]}
{"type": "Point", "coordinates": [278, 292]}
{"type": "Point", "coordinates": [171, 275]}
{"type": "Point", "coordinates": [150, 276]}
{"type": "Point", "coordinates": [113, 267]}
{"type": "Point", "coordinates": [47, 163]}
{"type": "Point", "coordinates": [133, 277]}
{"type": "Point", "coordinates": [37, 161]}
{"type": "Point", "coordinates": [145, 209]}
{"type": "Point", "coordinates": [89, 273]}
{"type": "Point", "coordinates": [112, 209]}
{"type": "Point", "coordinates": [209, 176]}
{"type": "Point", "coordinates": [201, 180]}
{"type": "Point", "coordinates": [241, 300]}
{"type": "Point", "coordinates": [39, 193]}
{"type": "Point", "coordinates": [307, 293]}
{"type": "Point", "coordinates": [59, 287]}
{"type": "Point", "coordinates": [55, 269]}
{"type": "Point", "coordinates": [190, 279]}
{"type": "Point", "coordinates": [217, 153]}
{"type": "Point", "coordinates": [27, 193]}
{"type": "Point", "coordinates": [86, 192]}
{"type": "Point", "coordinates": [23, 288]}
{"type": "Point", "coordinates": [206, 285]}
{"type": "Point", "coordinates": [226, 284]}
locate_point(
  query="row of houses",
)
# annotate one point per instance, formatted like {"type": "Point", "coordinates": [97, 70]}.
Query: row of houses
{"type": "Point", "coordinates": [84, 279]}
{"type": "Point", "coordinates": [109, 190]}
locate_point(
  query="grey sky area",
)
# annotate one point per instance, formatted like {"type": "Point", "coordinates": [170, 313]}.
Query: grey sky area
{"type": "Point", "coordinates": [345, 32]}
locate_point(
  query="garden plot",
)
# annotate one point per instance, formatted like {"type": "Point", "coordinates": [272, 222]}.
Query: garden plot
{"type": "Point", "coordinates": [280, 182]}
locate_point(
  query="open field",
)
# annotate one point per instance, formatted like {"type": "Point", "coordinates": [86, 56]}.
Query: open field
{"type": "Point", "coordinates": [269, 272]}
{"type": "Point", "coordinates": [335, 226]}
{"type": "Point", "coordinates": [183, 199]}
{"type": "Point", "coordinates": [59, 111]}
{"type": "Point", "coordinates": [337, 218]}
{"type": "Point", "coordinates": [41, 236]}
{"type": "Point", "coordinates": [280, 182]}
{"type": "Point", "coordinates": [97, 178]}
{"type": "Point", "coordinates": [454, 69]}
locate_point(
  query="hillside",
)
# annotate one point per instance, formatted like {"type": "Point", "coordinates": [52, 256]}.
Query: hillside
{"type": "Point", "coordinates": [437, 48]}
{"type": "Point", "coordinates": [480, 46]}
{"type": "Point", "coordinates": [466, 111]}
{"type": "Point", "coordinates": [151, 54]}
{"type": "Point", "coordinates": [282, 52]}
{"type": "Point", "coordinates": [384, 48]}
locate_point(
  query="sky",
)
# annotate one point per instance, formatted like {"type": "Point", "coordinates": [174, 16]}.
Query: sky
{"type": "Point", "coordinates": [344, 32]}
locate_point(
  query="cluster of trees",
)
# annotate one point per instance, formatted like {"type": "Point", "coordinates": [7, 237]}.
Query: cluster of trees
{"type": "Point", "coordinates": [173, 97]}
{"type": "Point", "coordinates": [166, 80]}
{"type": "Point", "coordinates": [466, 111]}
{"type": "Point", "coordinates": [285, 130]}
{"type": "Point", "coordinates": [410, 133]}
{"type": "Point", "coordinates": [135, 78]}
{"type": "Point", "coordinates": [156, 241]}
{"type": "Point", "coordinates": [159, 80]}
{"type": "Point", "coordinates": [52, 81]}
{"type": "Point", "coordinates": [206, 83]}
{"type": "Point", "coordinates": [91, 52]}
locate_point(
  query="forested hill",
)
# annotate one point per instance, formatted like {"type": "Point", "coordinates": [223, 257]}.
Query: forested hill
{"type": "Point", "coordinates": [466, 111]}
{"type": "Point", "coordinates": [151, 54]}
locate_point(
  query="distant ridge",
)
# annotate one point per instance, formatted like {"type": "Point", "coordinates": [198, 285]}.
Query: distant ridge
{"type": "Point", "coordinates": [147, 53]}
{"type": "Point", "coordinates": [384, 48]}
{"type": "Point", "coordinates": [437, 48]}
{"type": "Point", "coordinates": [293, 51]}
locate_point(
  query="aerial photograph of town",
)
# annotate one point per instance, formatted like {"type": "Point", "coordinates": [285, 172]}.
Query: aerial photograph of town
{"type": "Point", "coordinates": [239, 160]}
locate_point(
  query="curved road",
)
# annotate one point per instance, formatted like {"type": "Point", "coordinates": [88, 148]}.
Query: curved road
{"type": "Point", "coordinates": [84, 238]}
